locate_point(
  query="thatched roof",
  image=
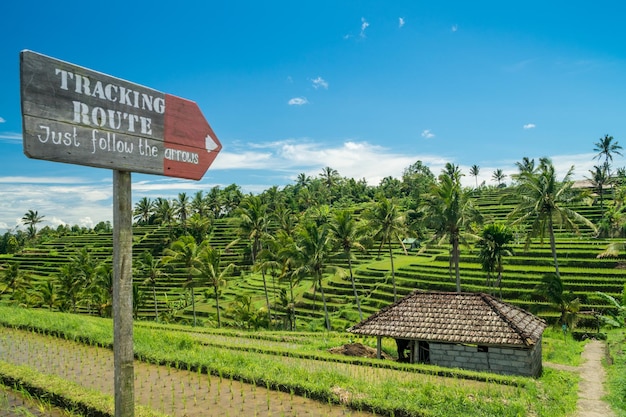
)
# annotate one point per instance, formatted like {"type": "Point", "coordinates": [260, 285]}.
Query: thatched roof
{"type": "Point", "coordinates": [471, 318]}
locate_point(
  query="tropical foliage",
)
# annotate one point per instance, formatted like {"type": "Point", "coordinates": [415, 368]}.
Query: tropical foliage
{"type": "Point", "coordinates": [544, 201]}
{"type": "Point", "coordinates": [329, 241]}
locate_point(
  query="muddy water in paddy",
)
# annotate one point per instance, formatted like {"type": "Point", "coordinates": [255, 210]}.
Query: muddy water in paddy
{"type": "Point", "coordinates": [13, 404]}
{"type": "Point", "coordinates": [171, 391]}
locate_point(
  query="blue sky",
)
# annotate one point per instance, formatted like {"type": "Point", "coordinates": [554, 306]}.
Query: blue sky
{"type": "Point", "coordinates": [365, 87]}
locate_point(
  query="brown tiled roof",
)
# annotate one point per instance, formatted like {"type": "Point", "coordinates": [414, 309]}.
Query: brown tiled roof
{"type": "Point", "coordinates": [472, 318]}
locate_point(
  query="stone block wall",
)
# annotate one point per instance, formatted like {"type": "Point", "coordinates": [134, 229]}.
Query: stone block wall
{"type": "Point", "coordinates": [501, 360]}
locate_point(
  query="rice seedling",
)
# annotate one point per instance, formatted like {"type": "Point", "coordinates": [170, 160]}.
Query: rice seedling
{"type": "Point", "coordinates": [299, 371]}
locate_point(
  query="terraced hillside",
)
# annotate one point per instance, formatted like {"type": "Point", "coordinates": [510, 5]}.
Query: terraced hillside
{"type": "Point", "coordinates": [425, 269]}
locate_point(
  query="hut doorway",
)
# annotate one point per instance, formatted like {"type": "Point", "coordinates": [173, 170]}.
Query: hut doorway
{"type": "Point", "coordinates": [423, 352]}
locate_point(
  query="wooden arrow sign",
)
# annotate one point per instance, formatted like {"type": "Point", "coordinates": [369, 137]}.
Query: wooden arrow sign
{"type": "Point", "coordinates": [75, 115]}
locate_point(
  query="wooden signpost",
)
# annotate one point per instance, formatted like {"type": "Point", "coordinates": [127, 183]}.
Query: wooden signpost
{"type": "Point", "coordinates": [79, 116]}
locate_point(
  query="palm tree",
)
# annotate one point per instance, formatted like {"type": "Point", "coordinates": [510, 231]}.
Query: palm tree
{"type": "Point", "coordinates": [85, 267]}
{"type": "Point", "coordinates": [551, 289]}
{"type": "Point", "coordinates": [599, 178]}
{"type": "Point", "coordinates": [313, 245]}
{"type": "Point", "coordinates": [31, 219]}
{"type": "Point", "coordinates": [232, 198]}
{"type": "Point", "coordinates": [388, 224]}
{"type": "Point", "coordinates": [69, 287]}
{"type": "Point", "coordinates": [474, 171]}
{"type": "Point", "coordinates": [289, 257]}
{"type": "Point", "coordinates": [303, 180]}
{"type": "Point", "coordinates": [494, 244]}
{"type": "Point", "coordinates": [184, 251]}
{"type": "Point", "coordinates": [198, 204]}
{"type": "Point", "coordinates": [498, 176]}
{"type": "Point", "coordinates": [346, 235]}
{"type": "Point", "coordinates": [524, 167]}
{"type": "Point", "coordinates": [144, 210]}
{"type": "Point", "coordinates": [390, 187]}
{"type": "Point", "coordinates": [253, 224]}
{"type": "Point", "coordinates": [242, 311]}
{"type": "Point", "coordinates": [215, 202]}
{"type": "Point", "coordinates": [330, 177]}
{"type": "Point", "coordinates": [48, 295]}
{"type": "Point", "coordinates": [163, 211]}
{"type": "Point", "coordinates": [199, 227]}
{"type": "Point", "coordinates": [210, 272]}
{"type": "Point", "coordinates": [151, 269]}
{"type": "Point", "coordinates": [605, 147]}
{"type": "Point", "coordinates": [449, 210]}
{"type": "Point", "coordinates": [453, 171]}
{"type": "Point", "coordinates": [182, 208]}
{"type": "Point", "coordinates": [20, 284]}
{"type": "Point", "coordinates": [139, 300]}
{"type": "Point", "coordinates": [102, 291]}
{"type": "Point", "coordinates": [285, 218]}
{"type": "Point", "coordinates": [12, 277]}
{"type": "Point", "coordinates": [274, 198]}
{"type": "Point", "coordinates": [306, 198]}
{"type": "Point", "coordinates": [543, 201]}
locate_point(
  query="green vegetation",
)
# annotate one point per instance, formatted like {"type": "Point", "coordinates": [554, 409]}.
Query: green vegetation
{"type": "Point", "coordinates": [15, 401]}
{"type": "Point", "coordinates": [275, 283]}
{"type": "Point", "coordinates": [299, 363]}
{"type": "Point", "coordinates": [616, 358]}
{"type": "Point", "coordinates": [561, 348]}
{"type": "Point", "coordinates": [310, 257]}
{"type": "Point", "coordinates": [59, 392]}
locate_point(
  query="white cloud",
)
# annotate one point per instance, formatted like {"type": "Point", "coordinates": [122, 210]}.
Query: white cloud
{"type": "Point", "coordinates": [364, 25]}
{"type": "Point", "coordinates": [400, 22]}
{"type": "Point", "coordinates": [60, 203]}
{"type": "Point", "coordinates": [529, 126]}
{"type": "Point", "coordinates": [320, 82]}
{"type": "Point", "coordinates": [86, 222]}
{"type": "Point", "coordinates": [427, 134]}
{"type": "Point", "coordinates": [2, 120]}
{"type": "Point", "coordinates": [72, 200]}
{"type": "Point", "coordinates": [353, 159]}
{"type": "Point", "coordinates": [11, 136]}
{"type": "Point", "coordinates": [297, 101]}
{"type": "Point", "coordinates": [166, 186]}
{"type": "Point", "coordinates": [582, 163]}
{"type": "Point", "coordinates": [69, 200]}
{"type": "Point", "coordinates": [244, 159]}
{"type": "Point", "coordinates": [454, 28]}
{"type": "Point", "coordinates": [41, 180]}
{"type": "Point", "coordinates": [562, 163]}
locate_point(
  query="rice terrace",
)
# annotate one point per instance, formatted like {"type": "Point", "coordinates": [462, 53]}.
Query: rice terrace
{"type": "Point", "coordinates": [246, 305]}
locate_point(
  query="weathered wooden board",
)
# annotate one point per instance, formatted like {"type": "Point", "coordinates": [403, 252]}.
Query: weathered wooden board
{"type": "Point", "coordinates": [76, 115]}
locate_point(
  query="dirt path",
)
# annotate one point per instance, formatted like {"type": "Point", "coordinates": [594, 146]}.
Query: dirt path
{"type": "Point", "coordinates": [591, 386]}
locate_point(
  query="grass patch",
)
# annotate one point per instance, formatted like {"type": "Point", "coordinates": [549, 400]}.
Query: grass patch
{"type": "Point", "coordinates": [385, 387]}
{"type": "Point", "coordinates": [616, 371]}
{"type": "Point", "coordinates": [560, 348]}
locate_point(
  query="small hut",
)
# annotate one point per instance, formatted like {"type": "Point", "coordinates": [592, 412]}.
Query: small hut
{"type": "Point", "coordinates": [411, 243]}
{"type": "Point", "coordinates": [460, 330]}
